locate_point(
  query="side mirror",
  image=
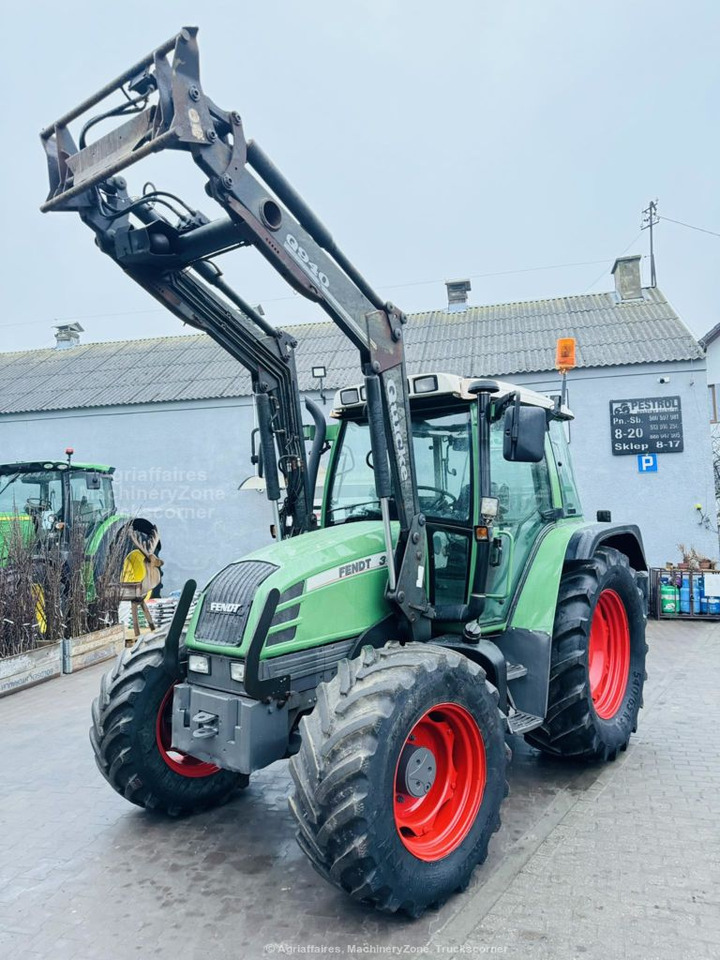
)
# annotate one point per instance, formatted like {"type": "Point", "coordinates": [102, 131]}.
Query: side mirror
{"type": "Point", "coordinates": [93, 481]}
{"type": "Point", "coordinates": [524, 434]}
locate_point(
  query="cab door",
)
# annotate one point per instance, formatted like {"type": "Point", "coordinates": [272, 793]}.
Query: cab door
{"type": "Point", "coordinates": [443, 448]}
{"type": "Point", "coordinates": [525, 509]}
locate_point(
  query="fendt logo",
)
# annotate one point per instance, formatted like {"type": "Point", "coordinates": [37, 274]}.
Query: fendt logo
{"type": "Point", "coordinates": [217, 607]}
{"type": "Point", "coordinates": [397, 434]}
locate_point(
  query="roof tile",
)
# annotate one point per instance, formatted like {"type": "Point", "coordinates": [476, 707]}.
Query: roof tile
{"type": "Point", "coordinates": [493, 340]}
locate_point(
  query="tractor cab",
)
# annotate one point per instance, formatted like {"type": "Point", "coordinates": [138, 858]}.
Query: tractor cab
{"type": "Point", "coordinates": [53, 496]}
{"type": "Point", "coordinates": [486, 503]}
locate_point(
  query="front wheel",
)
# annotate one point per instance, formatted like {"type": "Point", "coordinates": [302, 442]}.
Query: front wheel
{"type": "Point", "coordinates": [131, 738]}
{"type": "Point", "coordinates": [400, 776]}
{"type": "Point", "coordinates": [598, 660]}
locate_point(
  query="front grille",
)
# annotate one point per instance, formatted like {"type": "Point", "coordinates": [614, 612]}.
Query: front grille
{"type": "Point", "coordinates": [227, 602]}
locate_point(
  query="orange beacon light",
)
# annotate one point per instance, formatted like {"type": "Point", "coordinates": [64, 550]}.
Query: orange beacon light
{"type": "Point", "coordinates": [565, 354]}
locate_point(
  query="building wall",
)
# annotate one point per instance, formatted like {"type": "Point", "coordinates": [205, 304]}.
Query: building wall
{"type": "Point", "coordinates": [663, 504]}
{"type": "Point", "coordinates": [180, 464]}
{"type": "Point", "coordinates": [177, 464]}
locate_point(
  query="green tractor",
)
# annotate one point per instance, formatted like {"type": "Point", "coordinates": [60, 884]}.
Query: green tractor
{"type": "Point", "coordinates": [65, 513]}
{"type": "Point", "coordinates": [450, 593]}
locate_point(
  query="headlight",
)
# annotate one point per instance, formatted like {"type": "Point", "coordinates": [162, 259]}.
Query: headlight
{"type": "Point", "coordinates": [237, 671]}
{"type": "Point", "coordinates": [198, 664]}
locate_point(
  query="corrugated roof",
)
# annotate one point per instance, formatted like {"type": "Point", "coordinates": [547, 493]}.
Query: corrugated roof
{"type": "Point", "coordinates": [494, 340]}
{"type": "Point", "coordinates": [710, 336]}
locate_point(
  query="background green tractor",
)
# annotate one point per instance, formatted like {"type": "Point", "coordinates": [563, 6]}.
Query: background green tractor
{"type": "Point", "coordinates": [64, 514]}
{"type": "Point", "coordinates": [449, 594]}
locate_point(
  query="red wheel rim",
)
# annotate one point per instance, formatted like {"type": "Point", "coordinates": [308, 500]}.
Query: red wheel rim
{"type": "Point", "coordinates": [433, 825]}
{"type": "Point", "coordinates": [181, 763]}
{"type": "Point", "coordinates": [609, 654]}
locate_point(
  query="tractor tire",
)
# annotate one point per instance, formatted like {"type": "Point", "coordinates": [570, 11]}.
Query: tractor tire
{"type": "Point", "coordinates": [400, 776]}
{"type": "Point", "coordinates": [130, 736]}
{"type": "Point", "coordinates": [156, 592]}
{"type": "Point", "coordinates": [598, 660]}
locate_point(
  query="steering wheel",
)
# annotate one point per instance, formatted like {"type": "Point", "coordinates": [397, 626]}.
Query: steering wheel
{"type": "Point", "coordinates": [442, 496]}
{"type": "Point", "coordinates": [36, 503]}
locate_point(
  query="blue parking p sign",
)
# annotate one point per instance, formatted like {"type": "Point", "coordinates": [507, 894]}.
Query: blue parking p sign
{"type": "Point", "coordinates": [647, 463]}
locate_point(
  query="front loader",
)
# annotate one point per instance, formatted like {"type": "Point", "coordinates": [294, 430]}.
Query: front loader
{"type": "Point", "coordinates": [451, 592]}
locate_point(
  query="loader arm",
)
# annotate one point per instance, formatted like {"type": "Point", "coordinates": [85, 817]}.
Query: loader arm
{"type": "Point", "coordinates": [164, 107]}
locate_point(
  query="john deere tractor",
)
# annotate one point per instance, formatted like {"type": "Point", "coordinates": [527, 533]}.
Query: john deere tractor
{"type": "Point", "coordinates": [65, 513]}
{"type": "Point", "coordinates": [450, 592]}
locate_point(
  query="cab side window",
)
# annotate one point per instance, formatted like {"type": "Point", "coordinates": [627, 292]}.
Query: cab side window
{"type": "Point", "coordinates": [561, 452]}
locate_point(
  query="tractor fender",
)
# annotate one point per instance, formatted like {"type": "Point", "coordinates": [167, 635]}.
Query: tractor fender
{"type": "Point", "coordinates": [487, 655]}
{"type": "Point", "coordinates": [625, 537]}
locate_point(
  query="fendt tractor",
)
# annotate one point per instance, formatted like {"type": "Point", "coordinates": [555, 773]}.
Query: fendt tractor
{"type": "Point", "coordinates": [65, 511]}
{"type": "Point", "coordinates": [450, 592]}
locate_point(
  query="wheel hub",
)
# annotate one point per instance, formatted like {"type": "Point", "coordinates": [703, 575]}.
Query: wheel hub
{"type": "Point", "coordinates": [417, 770]}
{"type": "Point", "coordinates": [608, 655]}
{"type": "Point", "coordinates": [439, 781]}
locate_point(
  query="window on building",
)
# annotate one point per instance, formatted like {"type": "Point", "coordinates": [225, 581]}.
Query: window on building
{"type": "Point", "coordinates": [712, 402]}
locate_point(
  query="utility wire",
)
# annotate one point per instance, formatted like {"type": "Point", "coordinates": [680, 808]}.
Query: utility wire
{"type": "Point", "coordinates": [387, 286]}
{"type": "Point", "coordinates": [500, 273]}
{"type": "Point", "coordinates": [690, 226]}
{"type": "Point", "coordinates": [601, 275]}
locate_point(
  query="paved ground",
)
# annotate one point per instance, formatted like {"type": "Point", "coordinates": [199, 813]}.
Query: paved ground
{"type": "Point", "coordinates": [611, 861]}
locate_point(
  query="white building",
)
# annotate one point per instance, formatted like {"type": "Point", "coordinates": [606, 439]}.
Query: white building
{"type": "Point", "coordinates": [174, 414]}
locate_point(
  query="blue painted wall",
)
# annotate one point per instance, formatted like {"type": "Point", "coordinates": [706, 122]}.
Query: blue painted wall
{"type": "Point", "coordinates": [180, 464]}
{"type": "Point", "coordinates": [661, 503]}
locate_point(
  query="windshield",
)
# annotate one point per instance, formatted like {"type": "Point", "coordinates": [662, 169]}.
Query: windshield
{"type": "Point", "coordinates": [91, 497]}
{"type": "Point", "coordinates": [31, 493]}
{"type": "Point", "coordinates": [441, 444]}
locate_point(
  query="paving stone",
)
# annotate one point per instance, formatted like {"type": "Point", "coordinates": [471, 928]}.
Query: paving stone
{"type": "Point", "coordinates": [606, 861]}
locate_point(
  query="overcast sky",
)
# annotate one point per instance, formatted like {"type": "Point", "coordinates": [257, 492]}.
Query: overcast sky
{"type": "Point", "coordinates": [511, 142]}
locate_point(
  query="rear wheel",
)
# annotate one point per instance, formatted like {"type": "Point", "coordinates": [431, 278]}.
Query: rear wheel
{"type": "Point", "coordinates": [131, 738]}
{"type": "Point", "coordinates": [400, 776]}
{"type": "Point", "coordinates": [598, 660]}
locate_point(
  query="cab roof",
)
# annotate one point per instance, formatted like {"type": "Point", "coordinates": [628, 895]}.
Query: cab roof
{"type": "Point", "coordinates": [47, 466]}
{"type": "Point", "coordinates": [444, 385]}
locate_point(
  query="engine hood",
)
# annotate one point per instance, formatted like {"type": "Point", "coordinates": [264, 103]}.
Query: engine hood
{"type": "Point", "coordinates": [331, 582]}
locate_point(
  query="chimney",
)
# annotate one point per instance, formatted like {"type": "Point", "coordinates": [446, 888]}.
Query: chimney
{"type": "Point", "coordinates": [67, 335]}
{"type": "Point", "coordinates": [628, 282]}
{"type": "Point", "coordinates": [457, 293]}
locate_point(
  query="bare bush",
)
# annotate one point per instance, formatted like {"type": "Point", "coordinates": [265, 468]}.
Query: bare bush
{"type": "Point", "coordinates": [50, 590]}
{"type": "Point", "coordinates": [31, 591]}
